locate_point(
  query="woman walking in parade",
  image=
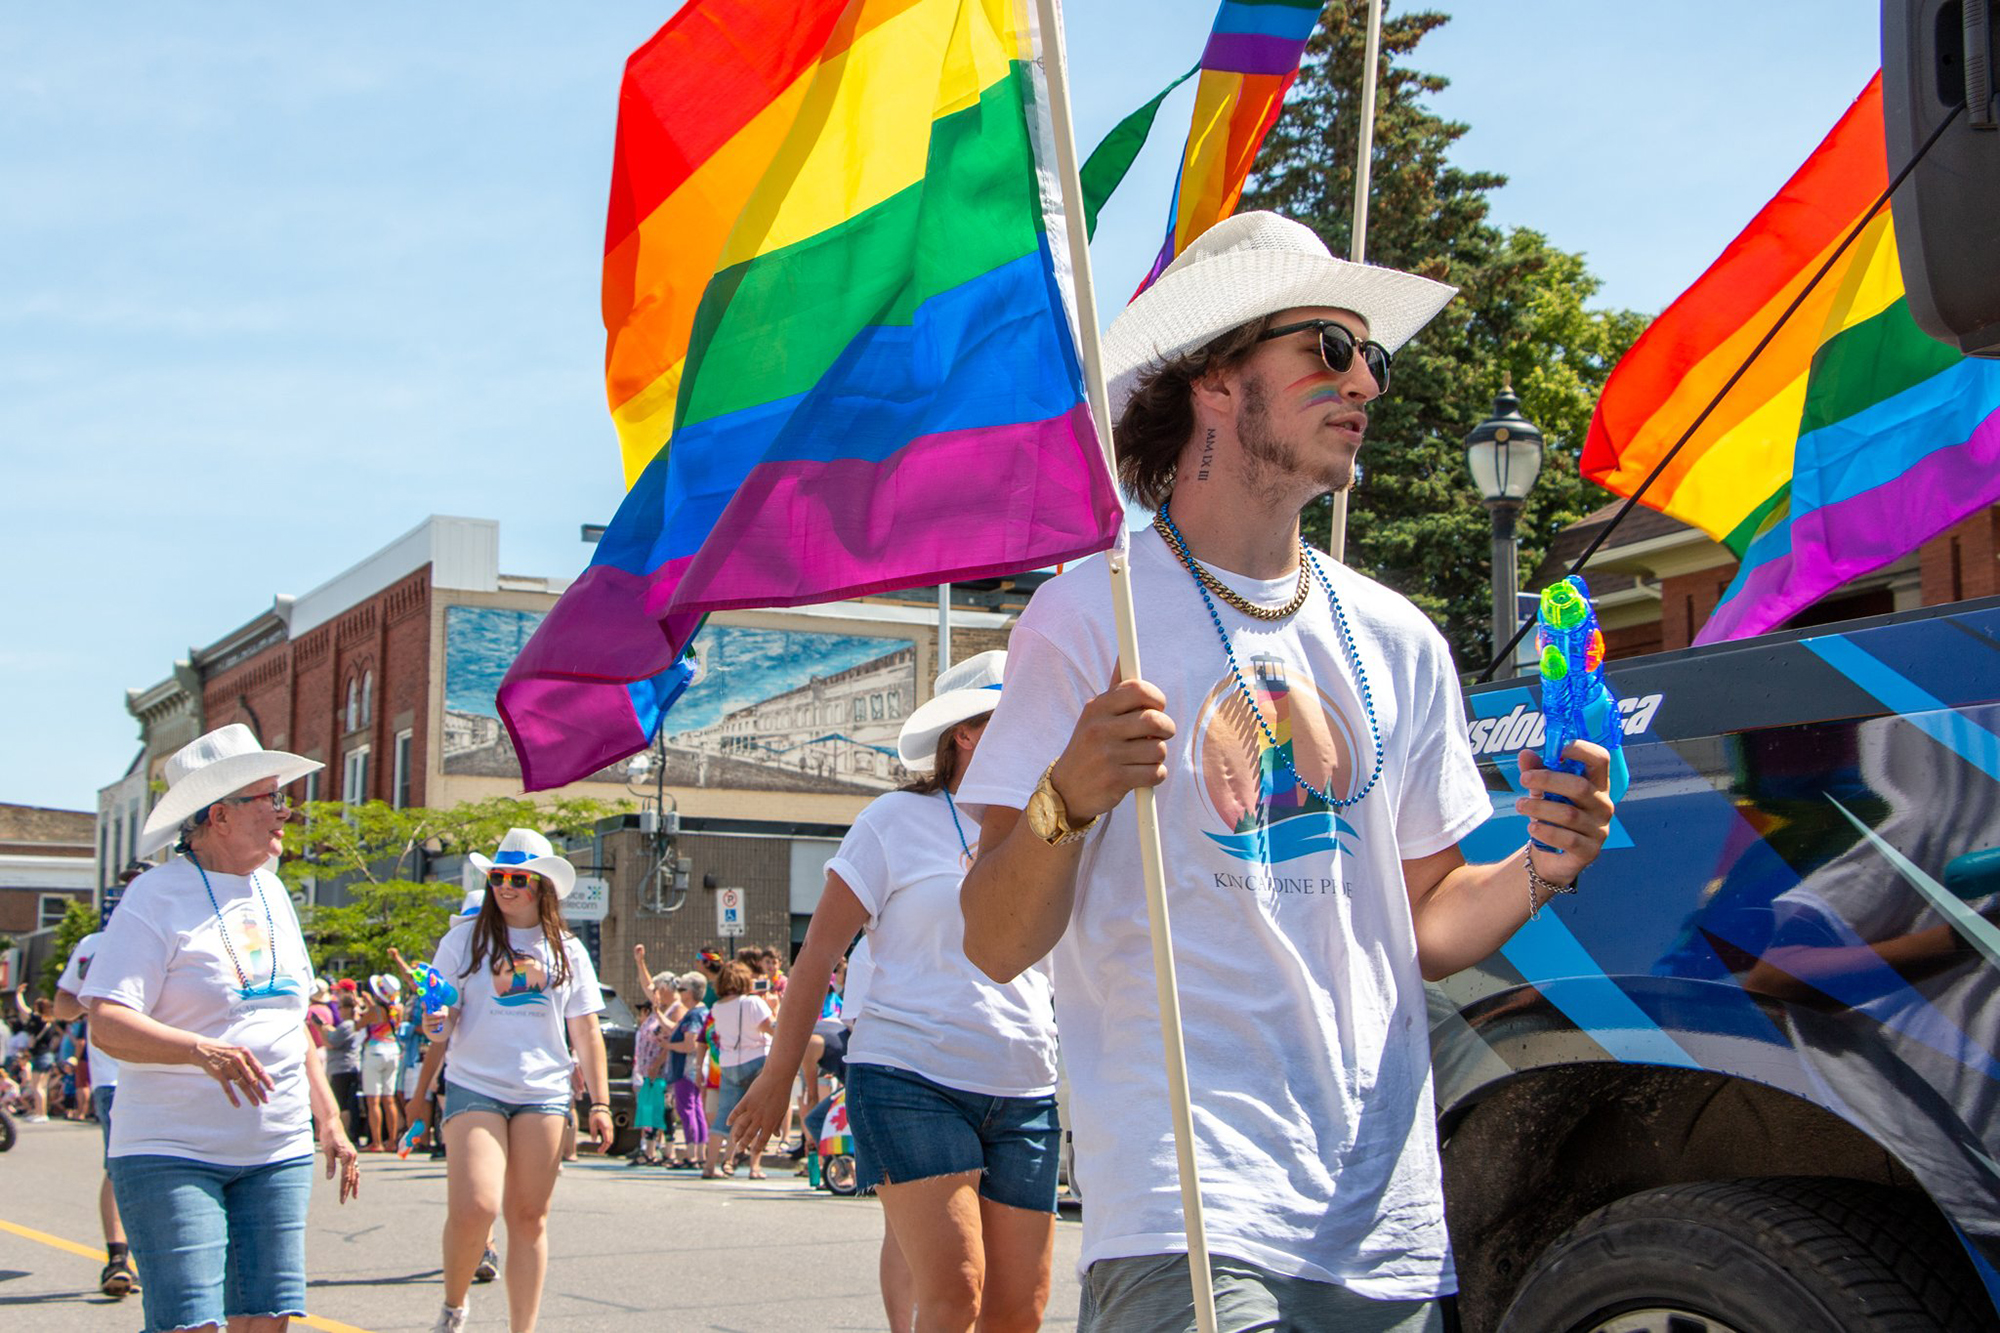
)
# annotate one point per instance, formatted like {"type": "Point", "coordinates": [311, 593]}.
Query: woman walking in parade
{"type": "Point", "coordinates": [200, 980]}
{"type": "Point", "coordinates": [951, 1076]}
{"type": "Point", "coordinates": [528, 995]}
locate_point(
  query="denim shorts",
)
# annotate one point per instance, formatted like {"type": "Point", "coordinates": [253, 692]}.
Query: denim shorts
{"type": "Point", "coordinates": [736, 1080]}
{"type": "Point", "coordinates": [908, 1128]}
{"type": "Point", "coordinates": [458, 1100]}
{"type": "Point", "coordinates": [215, 1241]}
{"type": "Point", "coordinates": [100, 1106]}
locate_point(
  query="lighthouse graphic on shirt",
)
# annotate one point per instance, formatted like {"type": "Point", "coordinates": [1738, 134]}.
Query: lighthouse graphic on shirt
{"type": "Point", "coordinates": [1256, 810]}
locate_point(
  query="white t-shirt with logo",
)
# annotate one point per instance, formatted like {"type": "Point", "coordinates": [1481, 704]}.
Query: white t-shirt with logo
{"type": "Point", "coordinates": [1303, 1006]}
{"type": "Point", "coordinates": [103, 1069]}
{"type": "Point", "coordinates": [235, 972]}
{"type": "Point", "coordinates": [927, 1009]}
{"type": "Point", "coordinates": [510, 1041]}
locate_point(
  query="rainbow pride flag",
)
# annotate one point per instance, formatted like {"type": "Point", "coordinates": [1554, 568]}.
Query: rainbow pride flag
{"type": "Point", "coordinates": [1250, 63]}
{"type": "Point", "coordinates": [1853, 438]}
{"type": "Point", "coordinates": [841, 352]}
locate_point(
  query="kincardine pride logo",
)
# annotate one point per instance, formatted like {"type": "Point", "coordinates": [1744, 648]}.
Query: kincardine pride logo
{"type": "Point", "coordinates": [1245, 780]}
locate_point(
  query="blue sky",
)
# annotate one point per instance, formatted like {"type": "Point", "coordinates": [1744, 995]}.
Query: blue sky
{"type": "Point", "coordinates": [278, 282]}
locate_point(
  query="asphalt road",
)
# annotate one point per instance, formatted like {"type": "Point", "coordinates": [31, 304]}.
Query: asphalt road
{"type": "Point", "coordinates": [630, 1248]}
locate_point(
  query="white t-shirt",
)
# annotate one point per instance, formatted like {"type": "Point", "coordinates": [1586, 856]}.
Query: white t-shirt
{"type": "Point", "coordinates": [235, 972]}
{"type": "Point", "coordinates": [1302, 1002]}
{"type": "Point", "coordinates": [927, 1008]}
{"type": "Point", "coordinates": [103, 1069]}
{"type": "Point", "coordinates": [738, 1034]}
{"type": "Point", "coordinates": [510, 1041]}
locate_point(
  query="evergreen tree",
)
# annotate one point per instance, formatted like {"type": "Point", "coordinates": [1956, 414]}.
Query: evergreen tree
{"type": "Point", "coordinates": [1415, 521]}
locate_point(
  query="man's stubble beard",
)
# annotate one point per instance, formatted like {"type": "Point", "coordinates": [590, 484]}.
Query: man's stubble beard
{"type": "Point", "coordinates": [1272, 466]}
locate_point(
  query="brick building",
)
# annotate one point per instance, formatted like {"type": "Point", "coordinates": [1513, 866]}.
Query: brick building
{"type": "Point", "coordinates": [1658, 580]}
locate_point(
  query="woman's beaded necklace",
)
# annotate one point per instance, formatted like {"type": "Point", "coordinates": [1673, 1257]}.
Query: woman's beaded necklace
{"type": "Point", "coordinates": [1203, 581]}
{"type": "Point", "coordinates": [222, 927]}
{"type": "Point", "coordinates": [953, 807]}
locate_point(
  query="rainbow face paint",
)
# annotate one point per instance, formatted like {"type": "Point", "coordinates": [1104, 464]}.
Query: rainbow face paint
{"type": "Point", "coordinates": [1318, 389]}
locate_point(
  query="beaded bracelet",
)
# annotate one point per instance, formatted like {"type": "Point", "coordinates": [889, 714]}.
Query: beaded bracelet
{"type": "Point", "coordinates": [1545, 889]}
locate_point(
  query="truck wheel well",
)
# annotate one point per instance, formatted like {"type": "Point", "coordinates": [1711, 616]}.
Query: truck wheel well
{"type": "Point", "coordinates": [1530, 1159]}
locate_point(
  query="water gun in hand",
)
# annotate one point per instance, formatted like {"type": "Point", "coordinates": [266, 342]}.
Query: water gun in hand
{"type": "Point", "coordinates": [410, 1140]}
{"type": "Point", "coordinates": [433, 991]}
{"type": "Point", "coordinates": [1577, 703]}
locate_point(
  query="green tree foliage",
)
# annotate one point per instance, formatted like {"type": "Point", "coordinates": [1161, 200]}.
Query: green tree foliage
{"type": "Point", "coordinates": [78, 920]}
{"type": "Point", "coordinates": [379, 852]}
{"type": "Point", "coordinates": [1415, 521]}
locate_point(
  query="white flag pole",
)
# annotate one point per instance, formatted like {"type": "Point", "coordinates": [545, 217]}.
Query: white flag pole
{"type": "Point", "coordinates": [1056, 68]}
{"type": "Point", "coordinates": [944, 628]}
{"type": "Point", "coordinates": [1357, 249]}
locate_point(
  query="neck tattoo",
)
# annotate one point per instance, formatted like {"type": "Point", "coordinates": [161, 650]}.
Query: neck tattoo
{"type": "Point", "coordinates": [1203, 581]}
{"type": "Point", "coordinates": [1207, 455]}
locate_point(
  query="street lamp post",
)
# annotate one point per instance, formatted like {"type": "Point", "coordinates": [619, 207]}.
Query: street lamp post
{"type": "Point", "coordinates": [1504, 455]}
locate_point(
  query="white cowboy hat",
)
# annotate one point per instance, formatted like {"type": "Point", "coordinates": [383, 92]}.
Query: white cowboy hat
{"type": "Point", "coordinates": [210, 767]}
{"type": "Point", "coordinates": [964, 691]}
{"type": "Point", "coordinates": [1245, 267]}
{"type": "Point", "coordinates": [525, 849]}
{"type": "Point", "coordinates": [385, 988]}
{"type": "Point", "coordinates": [474, 900]}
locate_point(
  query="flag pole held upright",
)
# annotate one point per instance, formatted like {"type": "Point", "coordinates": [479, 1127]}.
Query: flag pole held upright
{"type": "Point", "coordinates": [1357, 249]}
{"type": "Point", "coordinates": [1119, 565]}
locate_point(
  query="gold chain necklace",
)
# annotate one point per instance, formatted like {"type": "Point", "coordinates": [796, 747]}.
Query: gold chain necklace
{"type": "Point", "coordinates": [1172, 537]}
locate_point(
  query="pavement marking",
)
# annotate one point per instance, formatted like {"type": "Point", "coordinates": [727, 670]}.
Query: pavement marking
{"type": "Point", "coordinates": [99, 1256]}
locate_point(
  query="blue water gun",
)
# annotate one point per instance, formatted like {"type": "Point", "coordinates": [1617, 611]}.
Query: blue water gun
{"type": "Point", "coordinates": [433, 991]}
{"type": "Point", "coordinates": [1577, 702]}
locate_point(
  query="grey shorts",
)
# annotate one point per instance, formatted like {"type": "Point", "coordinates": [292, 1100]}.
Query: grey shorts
{"type": "Point", "coordinates": [1152, 1294]}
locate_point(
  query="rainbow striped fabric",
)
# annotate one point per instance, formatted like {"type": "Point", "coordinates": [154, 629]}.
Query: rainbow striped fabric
{"type": "Point", "coordinates": [836, 279]}
{"type": "Point", "coordinates": [1250, 63]}
{"type": "Point", "coordinates": [1851, 440]}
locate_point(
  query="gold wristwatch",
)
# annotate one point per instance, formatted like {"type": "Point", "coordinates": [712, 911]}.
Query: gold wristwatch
{"type": "Point", "coordinates": [1049, 817]}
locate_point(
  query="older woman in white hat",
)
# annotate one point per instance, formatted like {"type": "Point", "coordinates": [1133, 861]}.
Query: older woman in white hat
{"type": "Point", "coordinates": [951, 1076]}
{"type": "Point", "coordinates": [528, 996]}
{"type": "Point", "coordinates": [202, 979]}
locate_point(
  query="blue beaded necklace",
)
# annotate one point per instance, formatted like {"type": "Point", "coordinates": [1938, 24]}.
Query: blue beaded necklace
{"type": "Point", "coordinates": [953, 807]}
{"type": "Point", "coordinates": [1178, 544]}
{"type": "Point", "coordinates": [222, 927]}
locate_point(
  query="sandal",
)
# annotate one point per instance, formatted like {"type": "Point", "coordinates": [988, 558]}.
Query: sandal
{"type": "Point", "coordinates": [757, 1173]}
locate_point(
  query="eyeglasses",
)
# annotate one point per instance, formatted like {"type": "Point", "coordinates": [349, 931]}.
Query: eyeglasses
{"type": "Point", "coordinates": [1336, 347]}
{"type": "Point", "coordinates": [279, 801]}
{"type": "Point", "coordinates": [512, 879]}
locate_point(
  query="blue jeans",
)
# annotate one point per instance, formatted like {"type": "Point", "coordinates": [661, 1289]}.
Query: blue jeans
{"type": "Point", "coordinates": [215, 1241]}
{"type": "Point", "coordinates": [100, 1106]}
{"type": "Point", "coordinates": [907, 1128]}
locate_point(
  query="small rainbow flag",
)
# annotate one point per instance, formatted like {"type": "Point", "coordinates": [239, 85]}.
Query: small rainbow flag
{"type": "Point", "coordinates": [1250, 63]}
{"type": "Point", "coordinates": [836, 279]}
{"type": "Point", "coordinates": [1854, 437]}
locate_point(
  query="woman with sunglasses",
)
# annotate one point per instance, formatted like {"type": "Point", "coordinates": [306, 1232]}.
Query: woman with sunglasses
{"type": "Point", "coordinates": [200, 980]}
{"type": "Point", "coordinates": [528, 995]}
{"type": "Point", "coordinates": [951, 1077]}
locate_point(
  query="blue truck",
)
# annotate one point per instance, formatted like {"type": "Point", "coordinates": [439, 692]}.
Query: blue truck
{"type": "Point", "coordinates": [1746, 1080]}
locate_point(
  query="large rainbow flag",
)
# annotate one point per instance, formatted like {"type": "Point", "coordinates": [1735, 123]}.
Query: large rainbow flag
{"type": "Point", "coordinates": [1853, 438]}
{"type": "Point", "coordinates": [1250, 63]}
{"type": "Point", "coordinates": [841, 342]}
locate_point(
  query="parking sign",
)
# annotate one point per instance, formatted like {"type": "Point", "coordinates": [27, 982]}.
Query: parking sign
{"type": "Point", "coordinates": [729, 912]}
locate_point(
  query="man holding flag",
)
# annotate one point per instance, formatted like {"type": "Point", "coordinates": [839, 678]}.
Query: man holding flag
{"type": "Point", "coordinates": [1305, 729]}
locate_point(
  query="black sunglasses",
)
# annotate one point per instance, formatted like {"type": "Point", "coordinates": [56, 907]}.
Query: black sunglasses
{"type": "Point", "coordinates": [1336, 347]}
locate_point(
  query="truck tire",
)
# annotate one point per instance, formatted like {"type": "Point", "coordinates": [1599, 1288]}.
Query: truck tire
{"type": "Point", "coordinates": [1779, 1255]}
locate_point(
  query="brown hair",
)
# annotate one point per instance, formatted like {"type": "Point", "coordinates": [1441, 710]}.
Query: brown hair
{"type": "Point", "coordinates": [1158, 420]}
{"type": "Point", "coordinates": [490, 945]}
{"type": "Point", "coordinates": [732, 980]}
{"type": "Point", "coordinates": [946, 766]}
